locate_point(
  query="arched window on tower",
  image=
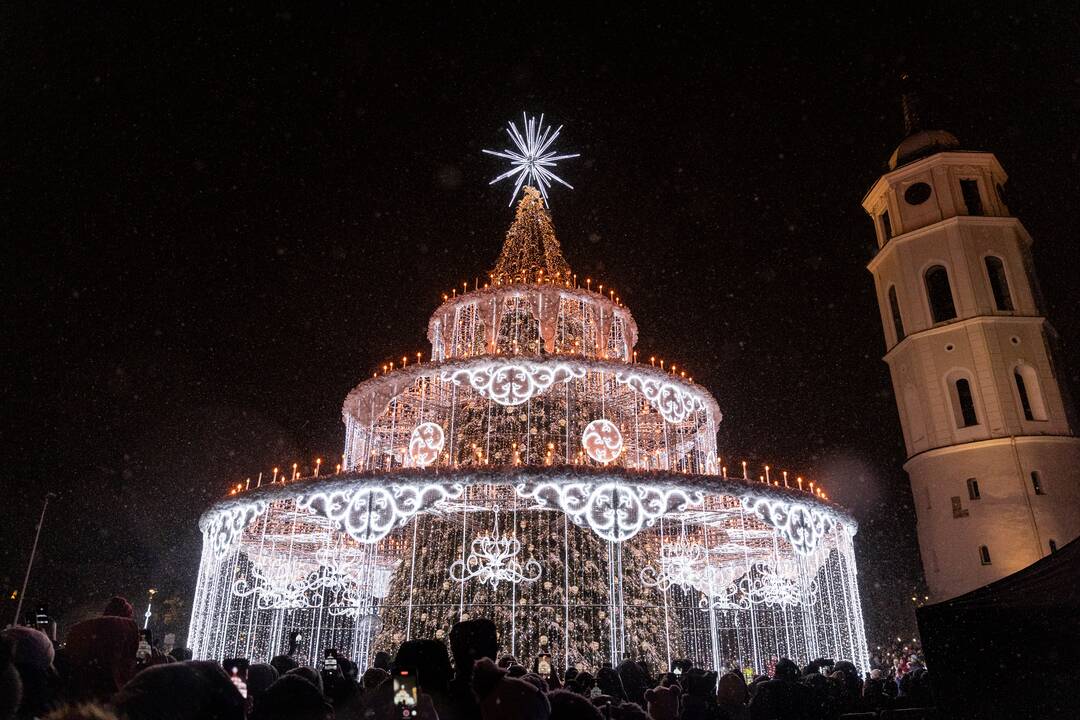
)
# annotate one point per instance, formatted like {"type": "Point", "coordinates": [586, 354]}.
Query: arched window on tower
{"type": "Point", "coordinates": [1027, 389]}
{"type": "Point", "coordinates": [963, 402]}
{"type": "Point", "coordinates": [897, 319]}
{"type": "Point", "coordinates": [999, 283]}
{"type": "Point", "coordinates": [939, 293]}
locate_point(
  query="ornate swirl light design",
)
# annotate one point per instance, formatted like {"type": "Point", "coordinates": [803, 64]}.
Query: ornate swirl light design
{"type": "Point", "coordinates": [681, 564]}
{"type": "Point", "coordinates": [674, 403]}
{"type": "Point", "coordinates": [223, 527]}
{"type": "Point", "coordinates": [512, 383]}
{"type": "Point", "coordinates": [494, 559]}
{"type": "Point", "coordinates": [369, 513]}
{"type": "Point", "coordinates": [279, 585]}
{"type": "Point", "coordinates": [602, 441]}
{"type": "Point", "coordinates": [801, 525]}
{"type": "Point", "coordinates": [425, 443]}
{"type": "Point", "coordinates": [614, 511]}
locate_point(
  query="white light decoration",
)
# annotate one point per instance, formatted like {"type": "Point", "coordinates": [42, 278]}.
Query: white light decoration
{"type": "Point", "coordinates": [222, 527]}
{"type": "Point", "coordinates": [798, 523]}
{"type": "Point", "coordinates": [425, 443]}
{"type": "Point", "coordinates": [494, 559]}
{"type": "Point", "coordinates": [533, 157]}
{"type": "Point", "coordinates": [602, 441]}
{"type": "Point", "coordinates": [514, 383]}
{"type": "Point", "coordinates": [612, 510]}
{"type": "Point", "coordinates": [626, 537]}
{"type": "Point", "coordinates": [368, 513]}
{"type": "Point", "coordinates": [681, 564]}
{"type": "Point", "coordinates": [674, 402]}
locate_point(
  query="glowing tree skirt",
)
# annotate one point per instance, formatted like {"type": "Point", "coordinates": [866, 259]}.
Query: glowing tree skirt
{"type": "Point", "coordinates": [589, 566]}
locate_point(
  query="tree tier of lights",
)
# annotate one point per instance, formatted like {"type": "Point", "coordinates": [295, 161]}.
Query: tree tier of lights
{"type": "Point", "coordinates": [534, 474]}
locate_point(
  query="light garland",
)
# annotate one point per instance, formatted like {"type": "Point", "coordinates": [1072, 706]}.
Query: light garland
{"type": "Point", "coordinates": [801, 525]}
{"type": "Point", "coordinates": [511, 384]}
{"type": "Point", "coordinates": [612, 510]}
{"type": "Point", "coordinates": [368, 513]}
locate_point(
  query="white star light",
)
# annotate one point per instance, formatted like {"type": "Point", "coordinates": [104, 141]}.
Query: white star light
{"type": "Point", "coordinates": [533, 157]}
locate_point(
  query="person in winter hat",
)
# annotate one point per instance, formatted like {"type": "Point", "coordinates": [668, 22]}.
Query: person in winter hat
{"type": "Point", "coordinates": [373, 678]}
{"type": "Point", "coordinates": [635, 681]}
{"type": "Point", "coordinates": [283, 664]}
{"type": "Point", "coordinates": [732, 695]}
{"type": "Point", "coordinates": [100, 653]}
{"type": "Point", "coordinates": [309, 674]}
{"type": "Point", "coordinates": [198, 690]}
{"type": "Point", "coordinates": [10, 684]}
{"type": "Point", "coordinates": [699, 694]}
{"type": "Point", "coordinates": [506, 698]}
{"type": "Point", "coordinates": [33, 658]}
{"type": "Point", "coordinates": [292, 698]}
{"type": "Point", "coordinates": [782, 697]}
{"type": "Point", "coordinates": [431, 662]}
{"type": "Point", "coordinates": [470, 640]}
{"type": "Point", "coordinates": [260, 677]}
{"type": "Point", "coordinates": [663, 702]}
{"type": "Point", "coordinates": [566, 705]}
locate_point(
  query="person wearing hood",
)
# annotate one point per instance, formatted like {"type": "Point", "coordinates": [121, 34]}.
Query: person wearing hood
{"type": "Point", "coordinates": [100, 653]}
{"type": "Point", "coordinates": [292, 697]}
{"type": "Point", "coordinates": [505, 698]}
{"type": "Point", "coordinates": [33, 659]}
{"type": "Point", "coordinates": [198, 690]}
{"type": "Point", "coordinates": [783, 697]}
{"type": "Point", "coordinates": [732, 696]}
{"type": "Point", "coordinates": [470, 640]}
{"type": "Point", "coordinates": [699, 695]}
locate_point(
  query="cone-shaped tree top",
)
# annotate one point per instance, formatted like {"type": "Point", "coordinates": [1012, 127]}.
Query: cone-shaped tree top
{"type": "Point", "coordinates": [531, 251]}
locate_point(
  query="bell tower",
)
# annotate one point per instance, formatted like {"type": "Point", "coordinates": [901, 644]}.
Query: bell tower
{"type": "Point", "coordinates": [992, 454]}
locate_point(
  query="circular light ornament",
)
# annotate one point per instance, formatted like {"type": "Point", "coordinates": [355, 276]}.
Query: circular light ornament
{"type": "Point", "coordinates": [602, 441]}
{"type": "Point", "coordinates": [425, 443]}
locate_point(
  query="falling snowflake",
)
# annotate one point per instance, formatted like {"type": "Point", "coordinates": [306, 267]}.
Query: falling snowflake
{"type": "Point", "coordinates": [533, 158]}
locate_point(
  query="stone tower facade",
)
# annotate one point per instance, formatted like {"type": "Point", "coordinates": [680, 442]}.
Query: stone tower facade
{"type": "Point", "coordinates": [992, 453]}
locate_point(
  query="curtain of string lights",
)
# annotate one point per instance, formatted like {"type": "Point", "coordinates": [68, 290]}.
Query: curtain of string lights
{"type": "Point", "coordinates": [534, 475]}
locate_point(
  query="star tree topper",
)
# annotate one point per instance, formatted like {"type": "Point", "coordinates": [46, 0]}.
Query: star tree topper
{"type": "Point", "coordinates": [533, 157]}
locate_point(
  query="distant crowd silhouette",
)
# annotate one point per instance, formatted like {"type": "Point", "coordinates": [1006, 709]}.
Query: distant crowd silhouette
{"type": "Point", "coordinates": [105, 670]}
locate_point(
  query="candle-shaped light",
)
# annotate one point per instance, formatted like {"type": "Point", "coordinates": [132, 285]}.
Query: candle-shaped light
{"type": "Point", "coordinates": [767, 478]}
{"type": "Point", "coordinates": [785, 478]}
{"type": "Point", "coordinates": [744, 470]}
{"type": "Point", "coordinates": [275, 476]}
{"type": "Point", "coordinates": [318, 464]}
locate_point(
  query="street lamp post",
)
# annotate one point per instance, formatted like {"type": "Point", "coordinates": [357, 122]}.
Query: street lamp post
{"type": "Point", "coordinates": [33, 552]}
{"type": "Point", "coordinates": [149, 602]}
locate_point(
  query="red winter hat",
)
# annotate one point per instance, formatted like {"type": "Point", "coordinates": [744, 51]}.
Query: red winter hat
{"type": "Point", "coordinates": [119, 607]}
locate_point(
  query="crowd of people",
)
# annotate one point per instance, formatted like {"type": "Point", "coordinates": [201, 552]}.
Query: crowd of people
{"type": "Point", "coordinates": [106, 671]}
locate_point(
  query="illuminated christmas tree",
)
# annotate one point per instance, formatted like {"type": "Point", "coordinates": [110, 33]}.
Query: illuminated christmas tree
{"type": "Point", "coordinates": [531, 252]}
{"type": "Point", "coordinates": [535, 473]}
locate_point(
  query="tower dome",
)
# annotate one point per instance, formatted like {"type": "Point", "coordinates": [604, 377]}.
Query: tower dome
{"type": "Point", "coordinates": [920, 144]}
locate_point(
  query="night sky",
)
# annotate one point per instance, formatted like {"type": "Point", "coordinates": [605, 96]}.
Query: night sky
{"type": "Point", "coordinates": [217, 224]}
